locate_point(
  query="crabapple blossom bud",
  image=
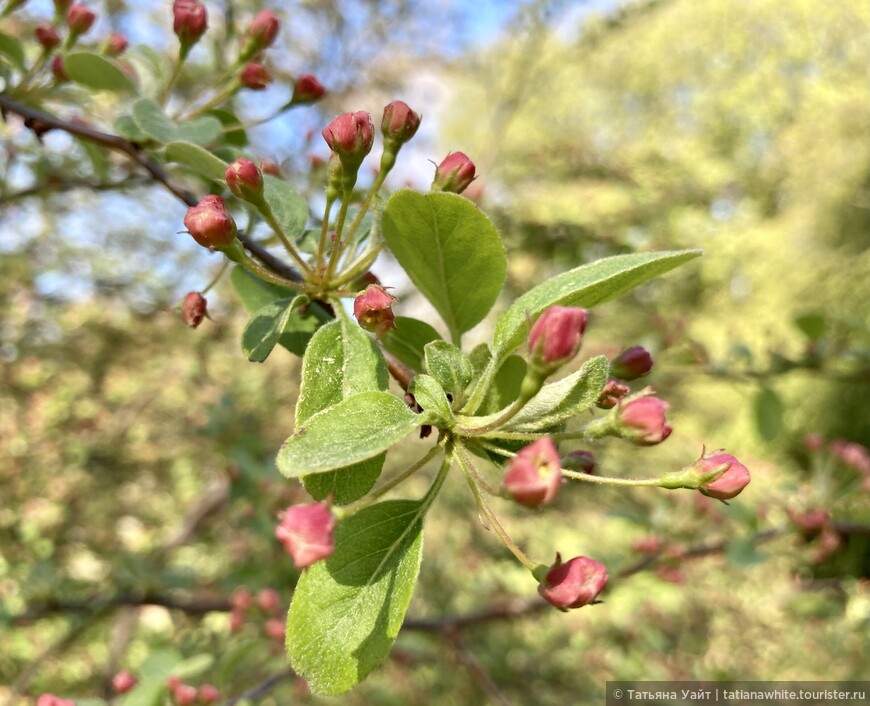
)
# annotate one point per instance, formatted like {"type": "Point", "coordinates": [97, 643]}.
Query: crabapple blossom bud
{"type": "Point", "coordinates": [632, 363]}
{"type": "Point", "coordinates": [556, 336]}
{"type": "Point", "coordinates": [52, 700]}
{"type": "Point", "coordinates": [255, 76]}
{"type": "Point", "coordinates": [373, 309]}
{"type": "Point", "coordinates": [852, 454]}
{"type": "Point", "coordinates": [194, 309]}
{"type": "Point", "coordinates": [611, 393]}
{"type": "Point", "coordinates": [307, 89]}
{"type": "Point", "coordinates": [184, 694]}
{"type": "Point", "coordinates": [115, 44]}
{"type": "Point", "coordinates": [535, 474]}
{"type": "Point", "coordinates": [237, 620]}
{"type": "Point", "coordinates": [241, 598]}
{"type": "Point", "coordinates": [261, 33]}
{"type": "Point", "coordinates": [245, 180]}
{"type": "Point", "coordinates": [208, 694]}
{"type": "Point", "coordinates": [190, 21]}
{"type": "Point", "coordinates": [399, 125]}
{"type": "Point", "coordinates": [642, 421]}
{"type": "Point", "coordinates": [350, 136]}
{"type": "Point", "coordinates": [814, 442]}
{"type": "Point", "coordinates": [582, 461]}
{"type": "Point", "coordinates": [122, 682]}
{"type": "Point", "coordinates": [58, 70]}
{"type": "Point", "coordinates": [269, 600]}
{"type": "Point", "coordinates": [647, 545]}
{"type": "Point", "coordinates": [268, 167]}
{"type": "Point", "coordinates": [306, 533]}
{"type": "Point", "coordinates": [811, 520]}
{"type": "Point", "coordinates": [210, 223]}
{"type": "Point", "coordinates": [80, 18]}
{"type": "Point", "coordinates": [454, 174]}
{"type": "Point", "coordinates": [173, 681]}
{"type": "Point", "coordinates": [275, 629]}
{"type": "Point", "coordinates": [728, 483]}
{"type": "Point", "coordinates": [573, 584]}
{"type": "Point", "coordinates": [47, 36]}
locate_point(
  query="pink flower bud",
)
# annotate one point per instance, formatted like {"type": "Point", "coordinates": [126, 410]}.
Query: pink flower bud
{"type": "Point", "coordinates": [852, 454]}
{"type": "Point", "coordinates": [237, 620]}
{"type": "Point", "coordinates": [642, 421]}
{"type": "Point", "coordinates": [307, 89]}
{"type": "Point", "coordinates": [573, 584]}
{"type": "Point", "coordinates": [241, 598]}
{"type": "Point", "coordinates": [245, 180]}
{"type": "Point", "coordinates": [399, 124]}
{"type": "Point", "coordinates": [190, 21]}
{"type": "Point", "coordinates": [612, 392]}
{"type": "Point", "coordinates": [727, 485]}
{"type": "Point", "coordinates": [262, 31]}
{"type": "Point", "coordinates": [210, 223]}
{"type": "Point", "coordinates": [632, 363]}
{"type": "Point", "coordinates": [582, 461]}
{"type": "Point", "coordinates": [647, 545]}
{"type": "Point", "coordinates": [80, 18]}
{"type": "Point", "coordinates": [373, 309]}
{"type": "Point", "coordinates": [173, 682]}
{"type": "Point", "coordinates": [275, 629]}
{"type": "Point", "coordinates": [122, 682]}
{"type": "Point", "coordinates": [350, 136]}
{"type": "Point", "coordinates": [255, 76]}
{"type": "Point", "coordinates": [556, 336]}
{"type": "Point", "coordinates": [184, 694]}
{"type": "Point", "coordinates": [116, 44]}
{"type": "Point", "coordinates": [811, 520]}
{"type": "Point", "coordinates": [209, 694]}
{"type": "Point", "coordinates": [814, 442]}
{"type": "Point", "coordinates": [58, 70]}
{"type": "Point", "coordinates": [194, 309]}
{"type": "Point", "coordinates": [535, 474]}
{"type": "Point", "coordinates": [454, 174]}
{"type": "Point", "coordinates": [52, 700]}
{"type": "Point", "coordinates": [306, 533]}
{"type": "Point", "coordinates": [269, 600]}
{"type": "Point", "coordinates": [272, 168]}
{"type": "Point", "coordinates": [47, 36]}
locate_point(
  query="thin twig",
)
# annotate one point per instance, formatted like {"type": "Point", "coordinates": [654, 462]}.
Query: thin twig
{"type": "Point", "coordinates": [263, 688]}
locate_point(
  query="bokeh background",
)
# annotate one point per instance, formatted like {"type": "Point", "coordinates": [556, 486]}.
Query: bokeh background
{"type": "Point", "coordinates": [136, 455]}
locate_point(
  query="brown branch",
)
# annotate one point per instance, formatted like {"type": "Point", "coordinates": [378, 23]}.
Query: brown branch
{"type": "Point", "coordinates": [62, 186]}
{"type": "Point", "coordinates": [263, 688]}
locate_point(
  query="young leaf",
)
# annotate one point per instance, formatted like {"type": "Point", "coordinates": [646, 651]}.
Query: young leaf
{"type": "Point", "coordinates": [234, 132]}
{"type": "Point", "coordinates": [407, 339]}
{"type": "Point", "coordinates": [586, 285]}
{"type": "Point", "coordinates": [96, 71]}
{"type": "Point", "coordinates": [432, 398]}
{"type": "Point", "coordinates": [450, 250]}
{"type": "Point", "coordinates": [348, 609]}
{"type": "Point", "coordinates": [564, 398]}
{"type": "Point", "coordinates": [11, 48]}
{"type": "Point", "coordinates": [355, 429]}
{"type": "Point", "coordinates": [202, 131]}
{"type": "Point", "coordinates": [506, 386]}
{"type": "Point", "coordinates": [290, 209]}
{"type": "Point", "coordinates": [126, 127]}
{"type": "Point", "coordinates": [254, 292]}
{"type": "Point", "coordinates": [266, 326]}
{"type": "Point", "coordinates": [151, 120]}
{"type": "Point", "coordinates": [197, 159]}
{"type": "Point", "coordinates": [450, 367]}
{"type": "Point", "coordinates": [769, 412]}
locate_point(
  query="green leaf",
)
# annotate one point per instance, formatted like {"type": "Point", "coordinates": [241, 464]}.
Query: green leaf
{"type": "Point", "coordinates": [812, 325]}
{"type": "Point", "coordinates": [266, 326]}
{"type": "Point", "coordinates": [505, 387]}
{"type": "Point", "coordinates": [202, 131]}
{"type": "Point", "coordinates": [450, 250]}
{"type": "Point", "coordinates": [407, 339]}
{"type": "Point", "coordinates": [432, 398]}
{"type": "Point", "coordinates": [152, 121]}
{"type": "Point", "coordinates": [769, 412]}
{"type": "Point", "coordinates": [236, 135]}
{"type": "Point", "coordinates": [743, 551]}
{"type": "Point", "coordinates": [254, 292]}
{"type": "Point", "coordinates": [347, 610]}
{"type": "Point", "coordinates": [126, 127]}
{"type": "Point", "coordinates": [450, 367]}
{"type": "Point", "coordinates": [288, 207]}
{"type": "Point", "coordinates": [96, 71]}
{"type": "Point", "coordinates": [564, 398]}
{"type": "Point", "coordinates": [479, 358]}
{"type": "Point", "coordinates": [197, 159]}
{"type": "Point", "coordinates": [351, 431]}
{"type": "Point", "coordinates": [193, 666]}
{"type": "Point", "coordinates": [156, 668]}
{"type": "Point", "coordinates": [11, 48]}
{"type": "Point", "coordinates": [98, 156]}
{"type": "Point", "coordinates": [586, 285]}
{"type": "Point", "coordinates": [346, 484]}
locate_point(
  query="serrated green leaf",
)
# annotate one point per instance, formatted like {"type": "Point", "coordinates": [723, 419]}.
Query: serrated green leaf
{"type": "Point", "coordinates": [126, 127]}
{"type": "Point", "coordinates": [450, 367]}
{"type": "Point", "coordinates": [11, 48]}
{"type": "Point", "coordinates": [347, 610]}
{"type": "Point", "coordinates": [586, 285]}
{"type": "Point", "coordinates": [351, 431]}
{"type": "Point", "coordinates": [202, 131]}
{"type": "Point", "coordinates": [564, 398]}
{"type": "Point", "coordinates": [769, 412]}
{"type": "Point", "coordinates": [152, 121]}
{"type": "Point", "coordinates": [96, 71]}
{"type": "Point", "coordinates": [197, 159]}
{"type": "Point", "coordinates": [450, 250]}
{"type": "Point", "coordinates": [289, 208]}
{"type": "Point", "coordinates": [407, 339]}
{"type": "Point", "coordinates": [432, 398]}
{"type": "Point", "coordinates": [505, 387]}
{"type": "Point", "coordinates": [266, 326]}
